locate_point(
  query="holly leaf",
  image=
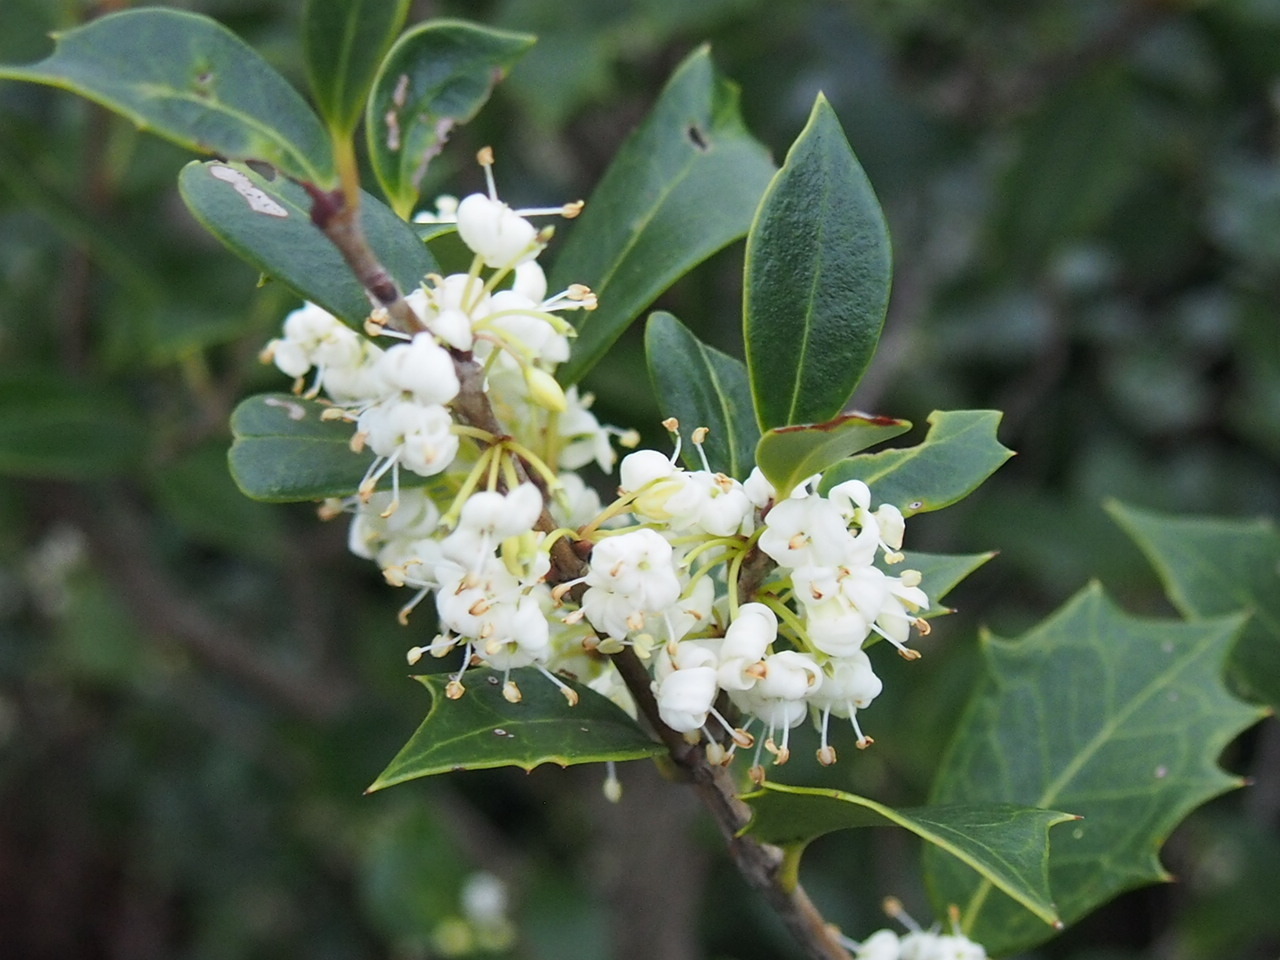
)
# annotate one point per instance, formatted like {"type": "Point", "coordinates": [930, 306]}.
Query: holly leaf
{"type": "Point", "coordinates": [482, 729]}
{"type": "Point", "coordinates": [1006, 845]}
{"type": "Point", "coordinates": [438, 75]}
{"type": "Point", "coordinates": [702, 387]}
{"type": "Point", "coordinates": [789, 455]}
{"type": "Point", "coordinates": [958, 453]}
{"type": "Point", "coordinates": [268, 224]}
{"type": "Point", "coordinates": [344, 42]}
{"type": "Point", "coordinates": [939, 574]}
{"type": "Point", "coordinates": [1212, 566]}
{"type": "Point", "coordinates": [817, 279]}
{"type": "Point", "coordinates": [684, 185]}
{"type": "Point", "coordinates": [189, 79]}
{"type": "Point", "coordinates": [1119, 719]}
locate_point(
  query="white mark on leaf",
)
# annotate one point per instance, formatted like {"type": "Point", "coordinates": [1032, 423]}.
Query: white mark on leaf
{"type": "Point", "coordinates": [259, 202]}
{"type": "Point", "coordinates": [1161, 772]}
{"type": "Point", "coordinates": [295, 411]}
{"type": "Point", "coordinates": [401, 94]}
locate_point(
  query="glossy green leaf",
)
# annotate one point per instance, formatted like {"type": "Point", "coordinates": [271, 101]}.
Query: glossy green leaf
{"type": "Point", "coordinates": [939, 574]}
{"type": "Point", "coordinates": [1213, 566]}
{"type": "Point", "coordinates": [702, 387]}
{"type": "Point", "coordinates": [683, 186]}
{"type": "Point", "coordinates": [268, 223]}
{"type": "Point", "coordinates": [789, 455]}
{"type": "Point", "coordinates": [438, 75]}
{"type": "Point", "coordinates": [190, 80]}
{"type": "Point", "coordinates": [482, 729]}
{"type": "Point", "coordinates": [283, 451]}
{"type": "Point", "coordinates": [1007, 845]}
{"type": "Point", "coordinates": [344, 42]}
{"type": "Point", "coordinates": [818, 265]}
{"type": "Point", "coordinates": [59, 429]}
{"type": "Point", "coordinates": [1119, 719]}
{"type": "Point", "coordinates": [957, 454]}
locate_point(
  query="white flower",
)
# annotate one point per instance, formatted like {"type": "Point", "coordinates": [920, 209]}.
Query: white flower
{"type": "Point", "coordinates": [744, 646]}
{"type": "Point", "coordinates": [374, 523]}
{"type": "Point", "coordinates": [808, 531]}
{"type": "Point", "coordinates": [881, 945]}
{"type": "Point", "coordinates": [529, 281]}
{"type": "Point", "coordinates": [421, 368]}
{"type": "Point", "coordinates": [500, 236]}
{"type": "Point", "coordinates": [686, 685]}
{"type": "Point", "coordinates": [758, 489]}
{"type": "Point", "coordinates": [418, 437]}
{"type": "Point", "coordinates": [632, 576]}
{"type": "Point", "coordinates": [587, 439]}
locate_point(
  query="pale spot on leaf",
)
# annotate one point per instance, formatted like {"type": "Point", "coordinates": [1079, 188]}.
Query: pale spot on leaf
{"type": "Point", "coordinates": [259, 202]}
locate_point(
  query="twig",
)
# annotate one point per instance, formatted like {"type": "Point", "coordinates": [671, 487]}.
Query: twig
{"type": "Point", "coordinates": [340, 222]}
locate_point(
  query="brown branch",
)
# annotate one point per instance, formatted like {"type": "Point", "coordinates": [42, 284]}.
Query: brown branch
{"type": "Point", "coordinates": [340, 222]}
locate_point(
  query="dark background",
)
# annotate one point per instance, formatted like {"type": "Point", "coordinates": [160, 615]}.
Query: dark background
{"type": "Point", "coordinates": [195, 689]}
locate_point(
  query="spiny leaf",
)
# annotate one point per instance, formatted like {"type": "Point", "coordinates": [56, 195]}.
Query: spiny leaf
{"type": "Point", "coordinates": [789, 455]}
{"type": "Point", "coordinates": [268, 224]}
{"type": "Point", "coordinates": [939, 574]}
{"type": "Point", "coordinates": [344, 42]}
{"type": "Point", "coordinates": [683, 186]}
{"type": "Point", "coordinates": [438, 75]}
{"type": "Point", "coordinates": [817, 279]}
{"type": "Point", "coordinates": [1117, 718]}
{"type": "Point", "coordinates": [1212, 566]}
{"type": "Point", "coordinates": [957, 454]}
{"type": "Point", "coordinates": [702, 387]}
{"type": "Point", "coordinates": [1007, 845]}
{"type": "Point", "coordinates": [190, 80]}
{"type": "Point", "coordinates": [483, 730]}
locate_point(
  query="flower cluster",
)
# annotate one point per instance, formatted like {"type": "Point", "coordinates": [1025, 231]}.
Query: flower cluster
{"type": "Point", "coordinates": [918, 945]}
{"type": "Point", "coordinates": [751, 607]}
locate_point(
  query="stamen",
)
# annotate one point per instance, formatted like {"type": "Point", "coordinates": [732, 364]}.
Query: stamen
{"type": "Point", "coordinates": [403, 615]}
{"type": "Point", "coordinates": [570, 694]}
{"type": "Point", "coordinates": [699, 435]}
{"type": "Point", "coordinates": [612, 785]}
{"type": "Point", "coordinates": [484, 157]}
{"type": "Point", "coordinates": [893, 908]}
{"type": "Point", "coordinates": [672, 426]}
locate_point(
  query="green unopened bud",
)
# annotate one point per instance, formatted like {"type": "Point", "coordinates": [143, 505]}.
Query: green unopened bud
{"type": "Point", "coordinates": [544, 391]}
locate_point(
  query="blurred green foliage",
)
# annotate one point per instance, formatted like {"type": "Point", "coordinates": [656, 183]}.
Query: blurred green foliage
{"type": "Point", "coordinates": [1084, 199]}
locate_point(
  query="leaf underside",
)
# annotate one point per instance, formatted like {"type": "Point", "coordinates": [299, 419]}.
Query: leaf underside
{"type": "Point", "coordinates": [1005, 844]}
